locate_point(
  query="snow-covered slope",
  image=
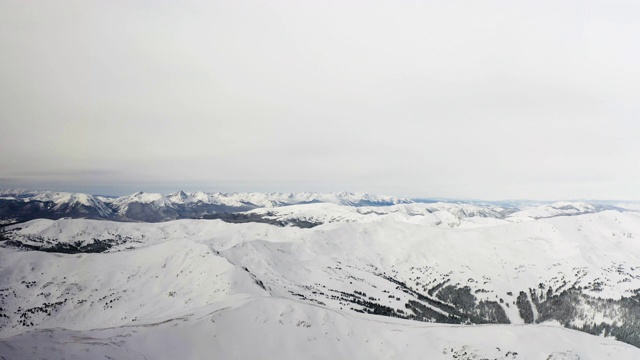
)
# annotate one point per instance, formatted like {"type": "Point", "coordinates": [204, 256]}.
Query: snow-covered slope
{"type": "Point", "coordinates": [432, 214]}
{"type": "Point", "coordinates": [562, 208]}
{"type": "Point", "coordinates": [223, 284]}
{"type": "Point", "coordinates": [276, 328]}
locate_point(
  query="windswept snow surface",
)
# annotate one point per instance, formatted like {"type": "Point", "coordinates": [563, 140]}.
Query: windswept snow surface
{"type": "Point", "coordinates": [196, 289]}
{"type": "Point", "coordinates": [277, 328]}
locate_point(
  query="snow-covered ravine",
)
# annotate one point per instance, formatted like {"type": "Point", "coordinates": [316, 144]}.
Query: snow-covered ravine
{"type": "Point", "coordinates": [369, 284]}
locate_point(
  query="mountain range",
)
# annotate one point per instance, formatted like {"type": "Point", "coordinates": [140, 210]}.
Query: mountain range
{"type": "Point", "coordinates": [24, 205]}
{"type": "Point", "coordinates": [21, 205]}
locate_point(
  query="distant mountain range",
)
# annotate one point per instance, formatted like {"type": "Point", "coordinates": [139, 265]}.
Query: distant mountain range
{"type": "Point", "coordinates": [275, 208]}
{"type": "Point", "coordinates": [23, 205]}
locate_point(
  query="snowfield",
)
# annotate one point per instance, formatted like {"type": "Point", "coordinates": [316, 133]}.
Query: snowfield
{"type": "Point", "coordinates": [277, 328]}
{"type": "Point", "coordinates": [404, 281]}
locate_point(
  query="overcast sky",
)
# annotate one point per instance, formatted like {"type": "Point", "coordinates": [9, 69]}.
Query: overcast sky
{"type": "Point", "coordinates": [461, 99]}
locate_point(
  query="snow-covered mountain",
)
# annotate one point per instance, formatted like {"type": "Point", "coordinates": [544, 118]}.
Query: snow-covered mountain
{"type": "Point", "coordinates": [73, 287]}
{"type": "Point", "coordinates": [277, 208]}
{"type": "Point", "coordinates": [432, 214]}
{"type": "Point", "coordinates": [562, 208]}
{"type": "Point", "coordinates": [22, 205]}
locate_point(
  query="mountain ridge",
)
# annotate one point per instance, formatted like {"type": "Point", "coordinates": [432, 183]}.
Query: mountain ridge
{"type": "Point", "coordinates": [23, 205]}
{"type": "Point", "coordinates": [153, 207]}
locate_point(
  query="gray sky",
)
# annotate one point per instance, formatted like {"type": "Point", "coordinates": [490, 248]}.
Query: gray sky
{"type": "Point", "coordinates": [462, 99]}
